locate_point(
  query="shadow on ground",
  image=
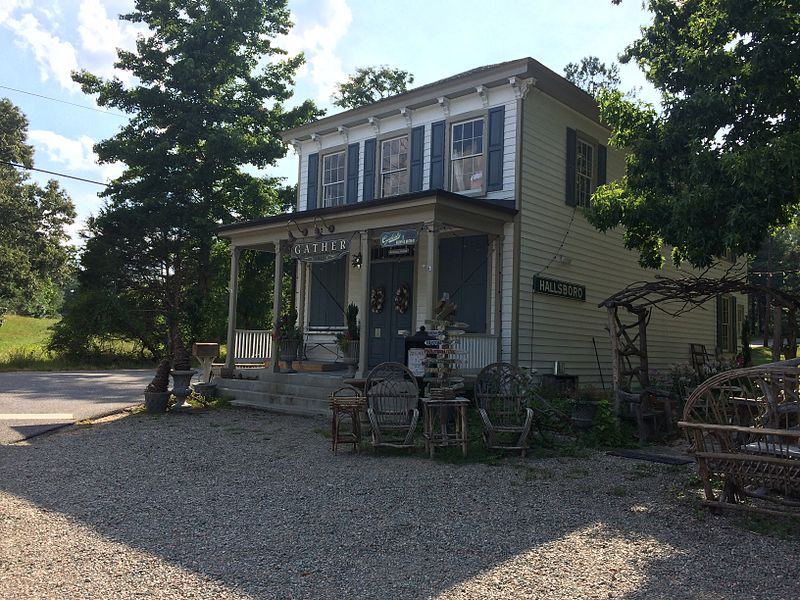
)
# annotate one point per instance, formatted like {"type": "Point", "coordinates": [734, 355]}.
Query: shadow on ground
{"type": "Point", "coordinates": [257, 503]}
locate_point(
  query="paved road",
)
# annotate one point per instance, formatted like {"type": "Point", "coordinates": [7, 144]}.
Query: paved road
{"type": "Point", "coordinates": [34, 402]}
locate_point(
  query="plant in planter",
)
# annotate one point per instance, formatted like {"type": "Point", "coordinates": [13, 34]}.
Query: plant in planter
{"type": "Point", "coordinates": [290, 336]}
{"type": "Point", "coordinates": [181, 372]}
{"type": "Point", "coordinates": [156, 394]}
{"type": "Point", "coordinates": [584, 408]}
{"type": "Point", "coordinates": [348, 340]}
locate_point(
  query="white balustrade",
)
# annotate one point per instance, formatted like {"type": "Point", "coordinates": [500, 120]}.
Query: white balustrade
{"type": "Point", "coordinates": [480, 350]}
{"type": "Point", "coordinates": [252, 345]}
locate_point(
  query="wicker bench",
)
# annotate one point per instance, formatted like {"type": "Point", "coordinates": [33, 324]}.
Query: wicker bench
{"type": "Point", "coordinates": [744, 427]}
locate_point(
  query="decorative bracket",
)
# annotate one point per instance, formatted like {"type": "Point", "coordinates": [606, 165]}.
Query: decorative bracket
{"type": "Point", "coordinates": [521, 86]}
{"type": "Point", "coordinates": [444, 102]}
{"type": "Point", "coordinates": [344, 132]}
{"type": "Point", "coordinates": [407, 113]}
{"type": "Point", "coordinates": [295, 144]}
{"type": "Point", "coordinates": [376, 124]}
{"type": "Point", "coordinates": [315, 137]}
{"type": "Point", "coordinates": [484, 94]}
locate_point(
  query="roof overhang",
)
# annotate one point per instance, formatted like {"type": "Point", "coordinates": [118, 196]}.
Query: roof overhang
{"type": "Point", "coordinates": [544, 79]}
{"type": "Point", "coordinates": [445, 209]}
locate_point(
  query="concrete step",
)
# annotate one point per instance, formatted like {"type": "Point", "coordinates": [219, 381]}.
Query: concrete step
{"type": "Point", "coordinates": [290, 393]}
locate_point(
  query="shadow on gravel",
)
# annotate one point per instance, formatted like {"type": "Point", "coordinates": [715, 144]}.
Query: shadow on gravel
{"type": "Point", "coordinates": [258, 503]}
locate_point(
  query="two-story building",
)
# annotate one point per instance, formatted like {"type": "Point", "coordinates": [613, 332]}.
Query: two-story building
{"type": "Point", "coordinates": [469, 188]}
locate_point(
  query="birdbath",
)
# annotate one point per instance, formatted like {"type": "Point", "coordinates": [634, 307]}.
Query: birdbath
{"type": "Point", "coordinates": [205, 353]}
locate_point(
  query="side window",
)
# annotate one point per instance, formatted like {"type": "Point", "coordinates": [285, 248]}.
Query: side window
{"type": "Point", "coordinates": [394, 166]}
{"type": "Point", "coordinates": [585, 172]}
{"type": "Point", "coordinates": [333, 173]}
{"type": "Point", "coordinates": [467, 156]}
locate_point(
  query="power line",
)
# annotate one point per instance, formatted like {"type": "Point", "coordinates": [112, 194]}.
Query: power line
{"type": "Point", "coordinates": [100, 110]}
{"type": "Point", "coordinates": [11, 164]}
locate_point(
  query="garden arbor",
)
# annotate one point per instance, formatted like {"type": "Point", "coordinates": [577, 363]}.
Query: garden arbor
{"type": "Point", "coordinates": [673, 296]}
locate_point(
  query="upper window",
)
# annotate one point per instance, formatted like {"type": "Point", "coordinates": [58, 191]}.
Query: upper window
{"type": "Point", "coordinates": [466, 156]}
{"type": "Point", "coordinates": [394, 166]}
{"type": "Point", "coordinates": [585, 171]}
{"type": "Point", "coordinates": [333, 179]}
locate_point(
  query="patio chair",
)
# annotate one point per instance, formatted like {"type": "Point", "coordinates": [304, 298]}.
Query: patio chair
{"type": "Point", "coordinates": [392, 398]}
{"type": "Point", "coordinates": [499, 394]}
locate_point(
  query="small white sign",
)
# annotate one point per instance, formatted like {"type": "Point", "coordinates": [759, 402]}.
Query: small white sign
{"type": "Point", "coordinates": [416, 361]}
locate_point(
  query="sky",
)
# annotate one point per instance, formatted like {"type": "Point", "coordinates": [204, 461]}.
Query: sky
{"type": "Point", "coordinates": [42, 41]}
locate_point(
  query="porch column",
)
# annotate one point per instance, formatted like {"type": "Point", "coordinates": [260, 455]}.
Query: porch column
{"type": "Point", "coordinates": [276, 307]}
{"type": "Point", "coordinates": [366, 260]}
{"type": "Point", "coordinates": [301, 294]}
{"type": "Point", "coordinates": [233, 292]}
{"type": "Point", "coordinates": [432, 278]}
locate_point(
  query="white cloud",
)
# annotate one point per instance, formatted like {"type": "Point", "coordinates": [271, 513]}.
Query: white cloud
{"type": "Point", "coordinates": [317, 31]}
{"type": "Point", "coordinates": [56, 58]}
{"type": "Point", "coordinates": [77, 155]}
{"type": "Point", "coordinates": [100, 36]}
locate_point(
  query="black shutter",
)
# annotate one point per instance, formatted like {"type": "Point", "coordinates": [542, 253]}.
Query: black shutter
{"type": "Point", "coordinates": [720, 336]}
{"type": "Point", "coordinates": [417, 150]}
{"type": "Point", "coordinates": [437, 155]}
{"type": "Point", "coordinates": [734, 325]}
{"type": "Point", "coordinates": [572, 141]}
{"type": "Point", "coordinates": [602, 157]}
{"type": "Point", "coordinates": [369, 168]}
{"type": "Point", "coordinates": [494, 167]}
{"type": "Point", "coordinates": [312, 181]}
{"type": "Point", "coordinates": [351, 194]}
{"type": "Point", "coordinates": [327, 293]}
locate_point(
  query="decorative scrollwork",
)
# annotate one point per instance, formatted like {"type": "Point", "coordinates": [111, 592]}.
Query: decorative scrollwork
{"type": "Point", "coordinates": [376, 299]}
{"type": "Point", "coordinates": [401, 299]}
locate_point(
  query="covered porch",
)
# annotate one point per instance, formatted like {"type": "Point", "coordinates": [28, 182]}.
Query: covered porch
{"type": "Point", "coordinates": [394, 259]}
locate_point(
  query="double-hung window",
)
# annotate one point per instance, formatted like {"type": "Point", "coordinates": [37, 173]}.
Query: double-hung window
{"type": "Point", "coordinates": [333, 172]}
{"type": "Point", "coordinates": [585, 181]}
{"type": "Point", "coordinates": [394, 166]}
{"type": "Point", "coordinates": [466, 156]}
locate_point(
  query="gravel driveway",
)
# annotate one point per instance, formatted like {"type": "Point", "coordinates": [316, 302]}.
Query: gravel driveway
{"type": "Point", "coordinates": [244, 504]}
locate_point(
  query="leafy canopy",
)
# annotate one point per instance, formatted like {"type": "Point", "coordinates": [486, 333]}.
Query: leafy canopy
{"type": "Point", "coordinates": [35, 260]}
{"type": "Point", "coordinates": [717, 167]}
{"type": "Point", "coordinates": [370, 84]}
{"type": "Point", "coordinates": [206, 106]}
{"type": "Point", "coordinates": [591, 75]}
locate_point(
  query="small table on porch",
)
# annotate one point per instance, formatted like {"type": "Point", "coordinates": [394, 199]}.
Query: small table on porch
{"type": "Point", "coordinates": [442, 437]}
{"type": "Point", "coordinates": [346, 402]}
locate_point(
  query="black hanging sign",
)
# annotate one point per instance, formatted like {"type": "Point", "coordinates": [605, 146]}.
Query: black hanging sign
{"type": "Point", "coordinates": [563, 289]}
{"type": "Point", "coordinates": [319, 251]}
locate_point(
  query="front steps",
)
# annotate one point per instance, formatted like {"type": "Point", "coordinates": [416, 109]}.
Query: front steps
{"type": "Point", "coordinates": [289, 393]}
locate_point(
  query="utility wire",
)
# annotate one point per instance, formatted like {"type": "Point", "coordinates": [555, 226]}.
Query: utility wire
{"type": "Point", "coordinates": [100, 110]}
{"type": "Point", "coordinates": [15, 165]}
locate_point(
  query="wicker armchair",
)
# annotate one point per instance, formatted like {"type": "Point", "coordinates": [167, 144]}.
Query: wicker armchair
{"type": "Point", "coordinates": [499, 394]}
{"type": "Point", "coordinates": [392, 398]}
{"type": "Point", "coordinates": [744, 426]}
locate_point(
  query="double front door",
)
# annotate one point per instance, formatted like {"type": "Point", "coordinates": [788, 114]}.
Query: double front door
{"type": "Point", "coordinates": [390, 310]}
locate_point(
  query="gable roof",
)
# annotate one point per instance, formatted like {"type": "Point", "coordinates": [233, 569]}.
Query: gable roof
{"type": "Point", "coordinates": [546, 81]}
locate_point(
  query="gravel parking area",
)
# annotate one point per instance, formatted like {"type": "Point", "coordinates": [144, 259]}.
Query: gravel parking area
{"type": "Point", "coordinates": [244, 504]}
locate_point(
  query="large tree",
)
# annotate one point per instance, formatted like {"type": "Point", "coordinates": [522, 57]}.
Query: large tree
{"type": "Point", "coordinates": [370, 84]}
{"type": "Point", "coordinates": [591, 75]}
{"type": "Point", "coordinates": [210, 83]}
{"type": "Point", "coordinates": [716, 167]}
{"type": "Point", "coordinates": [35, 260]}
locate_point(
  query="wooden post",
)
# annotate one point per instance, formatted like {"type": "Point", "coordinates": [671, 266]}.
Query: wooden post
{"type": "Point", "coordinates": [233, 290]}
{"type": "Point", "coordinates": [366, 261]}
{"type": "Point", "coordinates": [644, 364]}
{"type": "Point", "coordinates": [777, 333]}
{"type": "Point", "coordinates": [613, 335]}
{"type": "Point", "coordinates": [276, 308]}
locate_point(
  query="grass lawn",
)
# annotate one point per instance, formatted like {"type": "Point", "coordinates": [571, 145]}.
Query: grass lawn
{"type": "Point", "coordinates": [23, 347]}
{"type": "Point", "coordinates": [762, 355]}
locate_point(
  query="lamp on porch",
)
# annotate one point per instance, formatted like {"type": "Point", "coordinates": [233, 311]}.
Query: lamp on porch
{"type": "Point", "coordinates": [303, 231]}
{"type": "Point", "coordinates": [318, 229]}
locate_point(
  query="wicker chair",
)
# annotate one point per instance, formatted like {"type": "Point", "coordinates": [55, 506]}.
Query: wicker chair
{"type": "Point", "coordinates": [744, 426]}
{"type": "Point", "coordinates": [392, 398]}
{"type": "Point", "coordinates": [499, 394]}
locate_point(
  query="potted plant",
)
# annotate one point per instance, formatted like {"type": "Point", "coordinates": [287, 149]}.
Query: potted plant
{"type": "Point", "coordinates": [181, 372]}
{"type": "Point", "coordinates": [156, 394]}
{"type": "Point", "coordinates": [348, 341]}
{"type": "Point", "coordinates": [584, 408]}
{"type": "Point", "coordinates": [290, 336]}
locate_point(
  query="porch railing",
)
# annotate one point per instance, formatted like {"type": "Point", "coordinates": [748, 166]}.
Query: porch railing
{"type": "Point", "coordinates": [481, 350]}
{"type": "Point", "coordinates": [252, 345]}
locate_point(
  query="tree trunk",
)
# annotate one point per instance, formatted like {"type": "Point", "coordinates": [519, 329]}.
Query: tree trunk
{"type": "Point", "coordinates": [777, 335]}
{"type": "Point", "coordinates": [791, 335]}
{"type": "Point", "coordinates": [767, 297]}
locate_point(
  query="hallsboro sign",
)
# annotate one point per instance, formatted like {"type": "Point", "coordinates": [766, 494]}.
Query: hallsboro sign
{"type": "Point", "coordinates": [323, 250]}
{"type": "Point", "coordinates": [563, 289]}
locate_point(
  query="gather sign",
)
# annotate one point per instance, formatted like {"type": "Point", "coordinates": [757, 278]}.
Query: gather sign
{"type": "Point", "coordinates": [323, 250]}
{"type": "Point", "coordinates": [563, 289]}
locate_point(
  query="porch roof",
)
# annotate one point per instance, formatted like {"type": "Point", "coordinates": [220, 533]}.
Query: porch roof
{"type": "Point", "coordinates": [430, 206]}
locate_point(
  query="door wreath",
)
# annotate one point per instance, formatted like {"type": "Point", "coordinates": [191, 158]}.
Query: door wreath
{"type": "Point", "coordinates": [376, 299]}
{"type": "Point", "coordinates": [401, 299]}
